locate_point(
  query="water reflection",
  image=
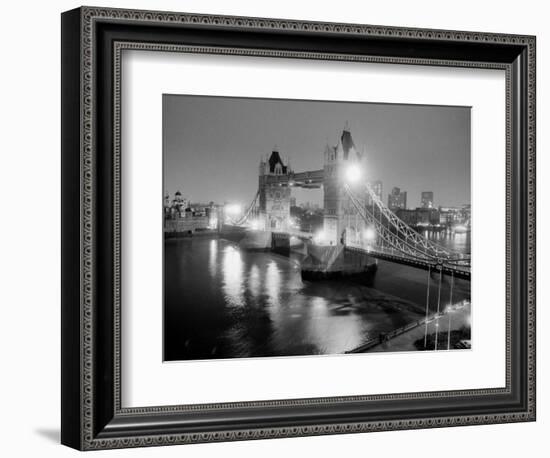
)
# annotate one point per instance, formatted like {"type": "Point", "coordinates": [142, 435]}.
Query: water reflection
{"type": "Point", "coordinates": [272, 283]}
{"type": "Point", "coordinates": [232, 276]}
{"type": "Point", "coordinates": [254, 282]}
{"type": "Point", "coordinates": [458, 241]}
{"type": "Point", "coordinates": [221, 302]}
{"type": "Point", "coordinates": [213, 257]}
{"type": "Point", "coordinates": [330, 328]}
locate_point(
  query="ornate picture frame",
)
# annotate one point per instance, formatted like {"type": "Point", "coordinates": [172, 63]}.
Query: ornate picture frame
{"type": "Point", "coordinates": [92, 413]}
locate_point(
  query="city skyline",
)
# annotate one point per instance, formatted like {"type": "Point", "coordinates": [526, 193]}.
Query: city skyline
{"type": "Point", "coordinates": [224, 139]}
{"type": "Point", "coordinates": [305, 202]}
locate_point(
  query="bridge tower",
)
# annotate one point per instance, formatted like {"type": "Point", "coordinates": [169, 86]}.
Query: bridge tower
{"type": "Point", "coordinates": [274, 197]}
{"type": "Point", "coordinates": [339, 214]}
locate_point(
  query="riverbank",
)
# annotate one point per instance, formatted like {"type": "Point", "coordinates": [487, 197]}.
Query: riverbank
{"type": "Point", "coordinates": [408, 341]}
{"type": "Point", "coordinates": [212, 233]}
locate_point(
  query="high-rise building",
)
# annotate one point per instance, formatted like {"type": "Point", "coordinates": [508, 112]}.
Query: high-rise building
{"type": "Point", "coordinates": [427, 199]}
{"type": "Point", "coordinates": [397, 199]}
{"type": "Point", "coordinates": [377, 188]}
{"type": "Point", "coordinates": [292, 201]}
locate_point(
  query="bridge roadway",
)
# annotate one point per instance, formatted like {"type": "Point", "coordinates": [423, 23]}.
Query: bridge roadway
{"type": "Point", "coordinates": [391, 255]}
{"type": "Point", "coordinates": [458, 271]}
{"type": "Point", "coordinates": [293, 233]}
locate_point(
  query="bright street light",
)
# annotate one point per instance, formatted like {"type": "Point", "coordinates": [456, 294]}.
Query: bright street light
{"type": "Point", "coordinates": [353, 173]}
{"type": "Point", "coordinates": [319, 237]}
{"type": "Point", "coordinates": [369, 234]}
{"type": "Point", "coordinates": [233, 209]}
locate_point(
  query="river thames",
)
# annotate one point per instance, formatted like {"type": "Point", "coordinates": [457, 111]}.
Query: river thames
{"type": "Point", "coordinates": [222, 301]}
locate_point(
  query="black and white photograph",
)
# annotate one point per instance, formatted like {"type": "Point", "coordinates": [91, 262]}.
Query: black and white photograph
{"type": "Point", "coordinates": [311, 227]}
{"type": "Point", "coordinates": [275, 229]}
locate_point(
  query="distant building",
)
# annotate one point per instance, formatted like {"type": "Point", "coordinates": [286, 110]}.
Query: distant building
{"type": "Point", "coordinates": [427, 216]}
{"type": "Point", "coordinates": [449, 215]}
{"type": "Point", "coordinates": [397, 199]}
{"type": "Point", "coordinates": [427, 199]}
{"type": "Point", "coordinates": [176, 208]}
{"type": "Point", "coordinates": [166, 205]}
{"type": "Point", "coordinates": [466, 214]}
{"type": "Point", "coordinates": [183, 217]}
{"type": "Point", "coordinates": [377, 188]}
{"type": "Point", "coordinates": [199, 209]}
{"type": "Point", "coordinates": [409, 217]}
{"type": "Point", "coordinates": [419, 216]}
{"type": "Point", "coordinates": [292, 201]}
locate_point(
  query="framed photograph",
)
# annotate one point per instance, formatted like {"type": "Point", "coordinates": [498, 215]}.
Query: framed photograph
{"type": "Point", "coordinates": [276, 228]}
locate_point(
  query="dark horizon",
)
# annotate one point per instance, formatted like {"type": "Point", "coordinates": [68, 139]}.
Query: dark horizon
{"type": "Point", "coordinates": [212, 146]}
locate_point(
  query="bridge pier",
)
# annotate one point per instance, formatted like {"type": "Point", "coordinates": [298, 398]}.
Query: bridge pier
{"type": "Point", "coordinates": [280, 243]}
{"type": "Point", "coordinates": [256, 241]}
{"type": "Point", "coordinates": [335, 261]}
{"type": "Point", "coordinates": [263, 240]}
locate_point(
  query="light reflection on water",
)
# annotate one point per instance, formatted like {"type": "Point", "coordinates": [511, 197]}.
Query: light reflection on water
{"type": "Point", "coordinates": [458, 241]}
{"type": "Point", "coordinates": [272, 283]}
{"type": "Point", "coordinates": [254, 282]}
{"type": "Point", "coordinates": [233, 285]}
{"type": "Point", "coordinates": [222, 302]}
{"type": "Point", "coordinates": [213, 257]}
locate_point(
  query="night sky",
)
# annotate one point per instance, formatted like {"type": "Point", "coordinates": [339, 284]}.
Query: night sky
{"type": "Point", "coordinates": [213, 145]}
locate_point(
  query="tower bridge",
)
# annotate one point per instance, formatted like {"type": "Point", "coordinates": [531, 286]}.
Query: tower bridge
{"type": "Point", "coordinates": [355, 221]}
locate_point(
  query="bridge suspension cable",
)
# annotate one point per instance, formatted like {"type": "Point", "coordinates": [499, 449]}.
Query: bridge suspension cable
{"type": "Point", "coordinates": [248, 210]}
{"type": "Point", "coordinates": [401, 237]}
